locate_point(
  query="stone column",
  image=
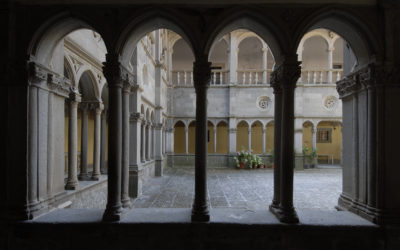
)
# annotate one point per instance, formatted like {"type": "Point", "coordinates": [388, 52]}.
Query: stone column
{"type": "Point", "coordinates": [355, 148]}
{"type": "Point", "coordinates": [97, 141]}
{"type": "Point", "coordinates": [330, 64]}
{"type": "Point", "coordinates": [314, 137]}
{"type": "Point", "coordinates": [33, 139]}
{"type": "Point", "coordinates": [265, 64]}
{"type": "Point", "coordinates": [263, 140]}
{"type": "Point", "coordinates": [276, 200]}
{"type": "Point", "coordinates": [371, 140]}
{"type": "Point", "coordinates": [201, 75]}
{"type": "Point", "coordinates": [153, 144]}
{"type": "Point", "coordinates": [83, 175]}
{"type": "Point", "coordinates": [103, 167]}
{"type": "Point", "coordinates": [72, 180]}
{"type": "Point", "coordinates": [232, 135]}
{"type": "Point", "coordinates": [135, 146]}
{"type": "Point", "coordinates": [125, 200]}
{"type": "Point", "coordinates": [215, 139]}
{"type": "Point", "coordinates": [233, 58]}
{"type": "Point", "coordinates": [112, 72]}
{"type": "Point", "coordinates": [249, 138]}
{"type": "Point", "coordinates": [287, 75]}
{"type": "Point", "coordinates": [148, 141]}
{"type": "Point", "coordinates": [143, 141]}
{"type": "Point", "coordinates": [186, 140]}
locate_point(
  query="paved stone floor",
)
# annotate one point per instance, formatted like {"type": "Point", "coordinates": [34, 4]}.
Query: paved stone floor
{"type": "Point", "coordinates": [246, 189]}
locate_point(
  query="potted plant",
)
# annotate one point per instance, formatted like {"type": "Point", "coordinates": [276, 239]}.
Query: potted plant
{"type": "Point", "coordinates": [241, 159]}
{"type": "Point", "coordinates": [314, 158]}
{"type": "Point", "coordinates": [306, 157]}
{"type": "Point", "coordinates": [271, 152]}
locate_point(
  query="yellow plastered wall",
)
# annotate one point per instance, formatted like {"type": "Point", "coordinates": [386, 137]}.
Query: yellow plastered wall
{"type": "Point", "coordinates": [179, 138]}
{"type": "Point", "coordinates": [222, 138]}
{"type": "Point", "coordinates": [242, 136]}
{"type": "Point", "coordinates": [192, 137]}
{"type": "Point", "coordinates": [269, 134]}
{"type": "Point", "coordinates": [307, 135]}
{"type": "Point", "coordinates": [210, 143]}
{"type": "Point", "coordinates": [256, 138]}
{"type": "Point", "coordinates": [335, 147]}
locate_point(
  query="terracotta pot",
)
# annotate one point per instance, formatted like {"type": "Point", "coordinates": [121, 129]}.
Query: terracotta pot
{"type": "Point", "coordinates": [241, 165]}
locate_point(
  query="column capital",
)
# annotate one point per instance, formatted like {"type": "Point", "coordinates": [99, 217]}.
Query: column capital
{"type": "Point", "coordinates": [96, 106]}
{"type": "Point", "coordinates": [233, 130]}
{"type": "Point", "coordinates": [84, 106]}
{"type": "Point", "coordinates": [201, 72]}
{"type": "Point", "coordinates": [135, 117]}
{"type": "Point", "coordinates": [36, 73]}
{"type": "Point", "coordinates": [158, 126]}
{"type": "Point", "coordinates": [115, 73]}
{"type": "Point", "coordinates": [74, 95]}
{"type": "Point", "coordinates": [286, 75]}
{"type": "Point", "coordinates": [58, 84]}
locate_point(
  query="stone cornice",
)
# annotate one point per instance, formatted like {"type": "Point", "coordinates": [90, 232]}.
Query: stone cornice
{"type": "Point", "coordinates": [348, 85]}
{"type": "Point", "coordinates": [369, 77]}
{"type": "Point", "coordinates": [46, 79]}
{"type": "Point", "coordinates": [59, 85]}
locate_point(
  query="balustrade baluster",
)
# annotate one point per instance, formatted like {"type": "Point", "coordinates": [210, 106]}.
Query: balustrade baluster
{"type": "Point", "coordinates": [320, 77]}
{"type": "Point", "coordinates": [256, 78]}
{"type": "Point", "coordinates": [178, 80]}
{"type": "Point", "coordinates": [250, 78]}
{"type": "Point", "coordinates": [184, 78]}
{"type": "Point", "coordinates": [214, 78]}
{"type": "Point", "coordinates": [308, 77]}
{"type": "Point", "coordinates": [315, 77]}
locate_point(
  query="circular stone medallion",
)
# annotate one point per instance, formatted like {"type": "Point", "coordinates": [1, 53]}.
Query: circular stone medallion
{"type": "Point", "coordinates": [263, 103]}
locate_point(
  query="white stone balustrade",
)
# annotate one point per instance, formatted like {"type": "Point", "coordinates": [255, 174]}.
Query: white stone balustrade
{"type": "Point", "coordinates": [253, 77]}
{"type": "Point", "coordinates": [320, 76]}
{"type": "Point", "coordinates": [219, 77]}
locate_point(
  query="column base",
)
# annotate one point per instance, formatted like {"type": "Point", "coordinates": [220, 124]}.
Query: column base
{"type": "Point", "coordinates": [288, 216]}
{"type": "Point", "coordinates": [112, 214]}
{"type": "Point", "coordinates": [71, 185]}
{"type": "Point", "coordinates": [126, 203]}
{"type": "Point", "coordinates": [95, 177]}
{"type": "Point", "coordinates": [274, 208]}
{"type": "Point", "coordinates": [200, 215]}
{"type": "Point", "coordinates": [84, 177]}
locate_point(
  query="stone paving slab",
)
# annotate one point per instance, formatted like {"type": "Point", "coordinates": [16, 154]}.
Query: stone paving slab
{"type": "Point", "coordinates": [244, 189]}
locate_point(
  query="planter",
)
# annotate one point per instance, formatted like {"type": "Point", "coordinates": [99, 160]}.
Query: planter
{"type": "Point", "coordinates": [241, 165]}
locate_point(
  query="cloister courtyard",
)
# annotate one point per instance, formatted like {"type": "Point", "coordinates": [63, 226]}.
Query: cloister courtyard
{"type": "Point", "coordinates": [251, 189]}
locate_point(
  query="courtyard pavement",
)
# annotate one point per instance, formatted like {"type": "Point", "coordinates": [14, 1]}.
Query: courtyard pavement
{"type": "Point", "coordinates": [241, 188]}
